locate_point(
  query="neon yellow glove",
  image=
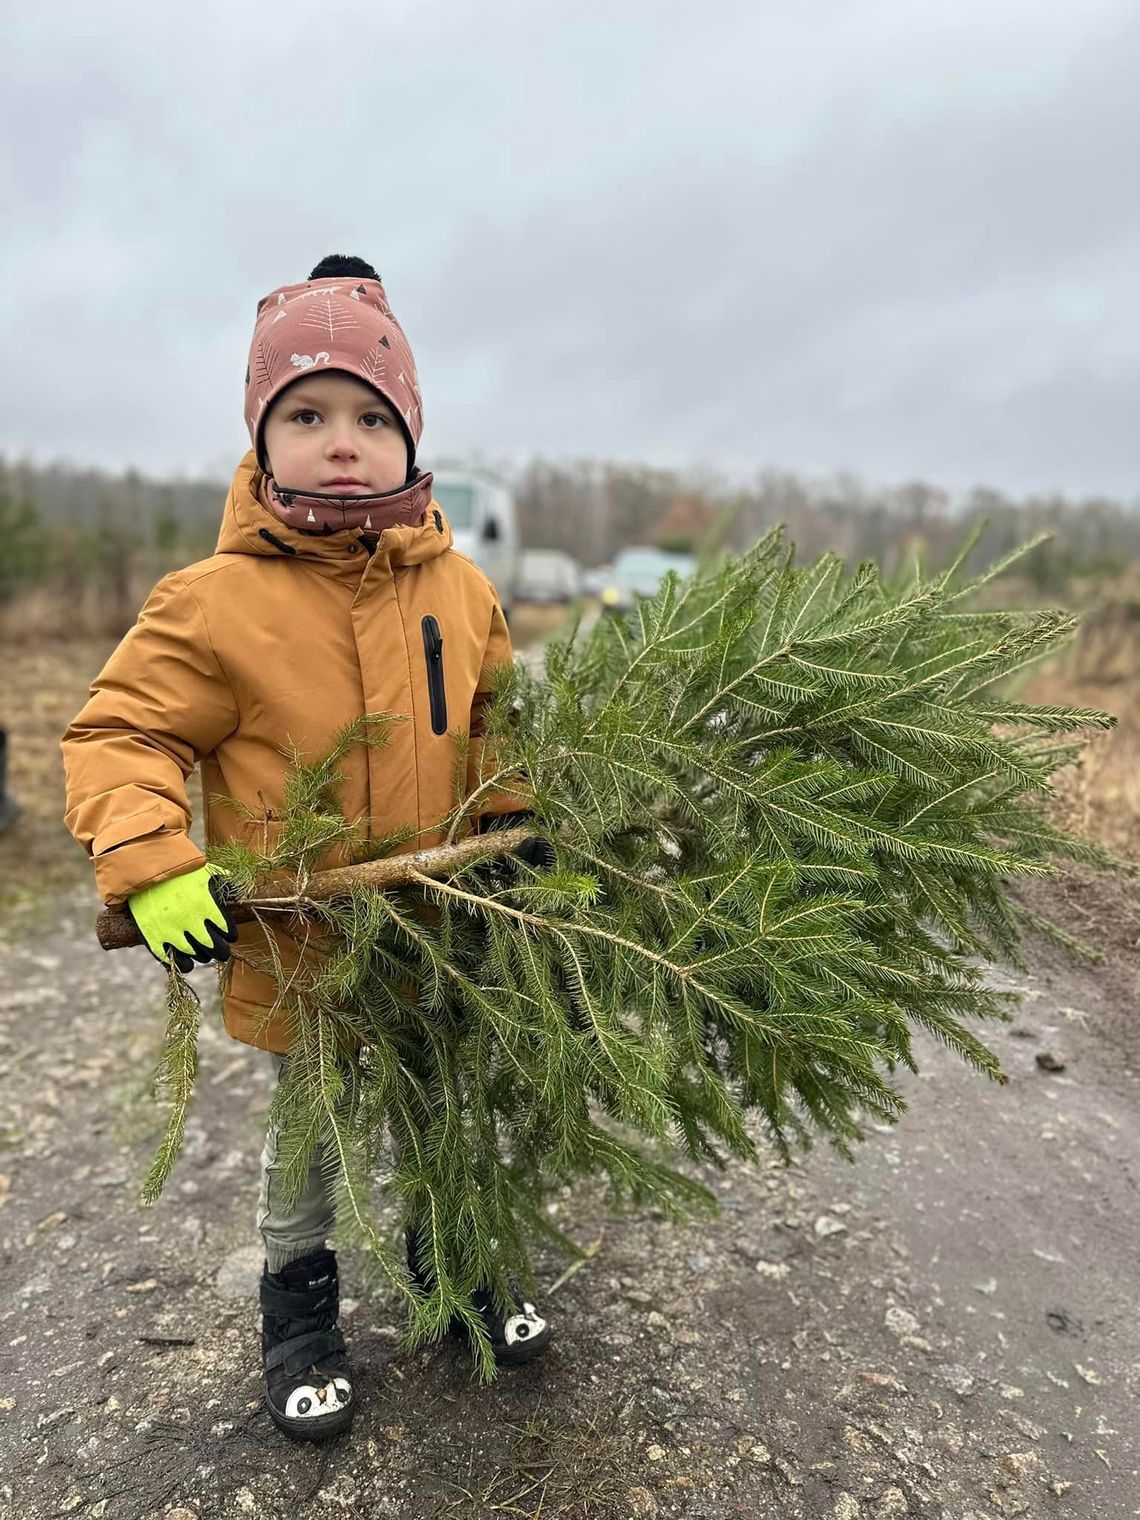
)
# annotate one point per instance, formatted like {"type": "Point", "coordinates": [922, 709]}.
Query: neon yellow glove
{"type": "Point", "coordinates": [187, 915]}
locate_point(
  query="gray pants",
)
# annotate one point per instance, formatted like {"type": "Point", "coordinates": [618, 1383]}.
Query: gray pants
{"type": "Point", "coordinates": [289, 1232]}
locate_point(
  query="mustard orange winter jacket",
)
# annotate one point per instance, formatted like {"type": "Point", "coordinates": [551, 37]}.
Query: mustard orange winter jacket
{"type": "Point", "coordinates": [237, 656]}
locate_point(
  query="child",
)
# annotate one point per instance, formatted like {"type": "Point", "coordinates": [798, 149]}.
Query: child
{"type": "Point", "coordinates": [334, 590]}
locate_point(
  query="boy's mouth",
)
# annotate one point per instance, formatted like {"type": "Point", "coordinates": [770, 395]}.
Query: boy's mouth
{"type": "Point", "coordinates": [345, 481]}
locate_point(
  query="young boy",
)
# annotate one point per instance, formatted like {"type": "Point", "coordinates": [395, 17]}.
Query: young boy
{"type": "Point", "coordinates": [333, 591]}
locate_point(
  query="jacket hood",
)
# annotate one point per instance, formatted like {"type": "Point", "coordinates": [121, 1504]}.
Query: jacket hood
{"type": "Point", "coordinates": [249, 527]}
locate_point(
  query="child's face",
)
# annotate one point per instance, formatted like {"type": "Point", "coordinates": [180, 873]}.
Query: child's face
{"type": "Point", "coordinates": [324, 429]}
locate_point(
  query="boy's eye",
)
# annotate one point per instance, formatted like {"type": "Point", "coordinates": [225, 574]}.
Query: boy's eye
{"type": "Point", "coordinates": [308, 411]}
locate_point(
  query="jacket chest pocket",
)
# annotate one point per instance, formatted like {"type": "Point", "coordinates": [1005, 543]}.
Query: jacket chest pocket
{"type": "Point", "coordinates": [433, 655]}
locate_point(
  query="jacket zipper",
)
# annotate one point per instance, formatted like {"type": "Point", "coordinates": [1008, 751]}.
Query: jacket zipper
{"type": "Point", "coordinates": [433, 653]}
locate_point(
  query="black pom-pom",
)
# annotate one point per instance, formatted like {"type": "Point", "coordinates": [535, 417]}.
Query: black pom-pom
{"type": "Point", "coordinates": [340, 264]}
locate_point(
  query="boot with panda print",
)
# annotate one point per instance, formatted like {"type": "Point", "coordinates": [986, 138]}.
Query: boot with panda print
{"type": "Point", "coordinates": [515, 1338]}
{"type": "Point", "coordinates": [308, 1383]}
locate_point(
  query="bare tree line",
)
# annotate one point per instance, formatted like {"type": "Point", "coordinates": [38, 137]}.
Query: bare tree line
{"type": "Point", "coordinates": [79, 549]}
{"type": "Point", "coordinates": [592, 509]}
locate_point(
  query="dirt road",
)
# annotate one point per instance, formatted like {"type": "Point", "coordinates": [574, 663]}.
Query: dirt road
{"type": "Point", "coordinates": [948, 1328]}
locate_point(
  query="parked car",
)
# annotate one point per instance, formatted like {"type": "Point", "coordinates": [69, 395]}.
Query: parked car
{"type": "Point", "coordinates": [549, 575]}
{"type": "Point", "coordinates": [484, 522]}
{"type": "Point", "coordinates": [638, 571]}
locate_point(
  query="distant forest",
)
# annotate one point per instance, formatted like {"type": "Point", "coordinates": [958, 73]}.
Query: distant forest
{"type": "Point", "coordinates": [102, 540]}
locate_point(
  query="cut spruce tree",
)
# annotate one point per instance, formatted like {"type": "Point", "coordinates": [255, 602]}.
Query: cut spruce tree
{"type": "Point", "coordinates": [786, 805]}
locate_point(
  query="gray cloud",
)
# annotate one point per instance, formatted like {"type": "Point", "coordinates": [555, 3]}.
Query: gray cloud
{"type": "Point", "coordinates": [891, 238]}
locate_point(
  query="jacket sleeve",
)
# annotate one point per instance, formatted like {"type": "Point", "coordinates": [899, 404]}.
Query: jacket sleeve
{"type": "Point", "coordinates": [160, 703]}
{"type": "Point", "coordinates": [480, 754]}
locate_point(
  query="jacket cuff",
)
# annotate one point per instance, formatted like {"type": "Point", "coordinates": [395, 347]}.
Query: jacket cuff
{"type": "Point", "coordinates": [144, 863]}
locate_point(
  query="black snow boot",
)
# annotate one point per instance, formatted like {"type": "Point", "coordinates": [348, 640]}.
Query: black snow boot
{"type": "Point", "coordinates": [308, 1384]}
{"type": "Point", "coordinates": [515, 1338]}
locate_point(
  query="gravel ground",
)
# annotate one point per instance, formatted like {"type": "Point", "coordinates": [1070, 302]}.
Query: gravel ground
{"type": "Point", "coordinates": [944, 1328]}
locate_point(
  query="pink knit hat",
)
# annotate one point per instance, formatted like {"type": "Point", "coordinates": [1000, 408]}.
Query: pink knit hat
{"type": "Point", "coordinates": [339, 322]}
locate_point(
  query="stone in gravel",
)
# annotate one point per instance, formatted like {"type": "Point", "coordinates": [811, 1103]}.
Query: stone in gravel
{"type": "Point", "coordinates": [900, 1321]}
{"type": "Point", "coordinates": [776, 1269]}
{"type": "Point", "coordinates": [1051, 1060]}
{"type": "Point", "coordinates": [825, 1225]}
{"type": "Point", "coordinates": [893, 1502]}
{"type": "Point", "coordinates": [855, 1440]}
{"type": "Point", "coordinates": [239, 1275]}
{"type": "Point", "coordinates": [957, 1379]}
{"type": "Point", "coordinates": [641, 1502]}
{"type": "Point", "coordinates": [1021, 1464]}
{"type": "Point", "coordinates": [846, 1508]}
{"type": "Point", "coordinates": [342, 1491]}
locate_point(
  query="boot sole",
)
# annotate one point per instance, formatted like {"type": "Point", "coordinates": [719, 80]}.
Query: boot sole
{"type": "Point", "coordinates": [320, 1427]}
{"type": "Point", "coordinates": [508, 1356]}
{"type": "Point", "coordinates": [522, 1351]}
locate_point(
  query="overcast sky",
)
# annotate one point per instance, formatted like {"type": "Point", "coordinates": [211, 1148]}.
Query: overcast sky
{"type": "Point", "coordinates": [892, 236]}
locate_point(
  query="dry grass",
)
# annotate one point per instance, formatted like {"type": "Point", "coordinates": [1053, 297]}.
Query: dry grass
{"type": "Point", "coordinates": [1100, 795]}
{"type": "Point", "coordinates": [534, 622]}
{"type": "Point", "coordinates": [93, 607]}
{"type": "Point", "coordinates": [42, 687]}
{"type": "Point", "coordinates": [554, 1469]}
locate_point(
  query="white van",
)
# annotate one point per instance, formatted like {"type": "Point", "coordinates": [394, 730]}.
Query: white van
{"type": "Point", "coordinates": [481, 511]}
